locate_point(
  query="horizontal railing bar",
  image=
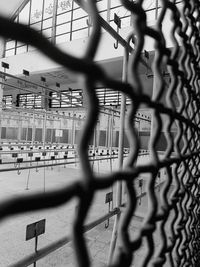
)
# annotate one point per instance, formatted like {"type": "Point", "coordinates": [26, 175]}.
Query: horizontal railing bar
{"type": "Point", "coordinates": [48, 165]}
{"type": "Point", "coordinates": [41, 253]}
{"type": "Point", "coordinates": [63, 241]}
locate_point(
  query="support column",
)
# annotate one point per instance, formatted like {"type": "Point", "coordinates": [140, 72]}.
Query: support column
{"type": "Point", "coordinates": [53, 31]}
{"type": "Point", "coordinates": [120, 160]}
{"type": "Point", "coordinates": [45, 99]}
{"type": "Point", "coordinates": [44, 129]}
{"type": "Point", "coordinates": [108, 11]}
{"type": "Point", "coordinates": [2, 54]}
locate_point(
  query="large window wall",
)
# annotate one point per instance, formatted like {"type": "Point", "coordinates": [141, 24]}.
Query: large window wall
{"type": "Point", "coordinates": [7, 101]}
{"type": "Point", "coordinates": [66, 99]}
{"type": "Point", "coordinates": [29, 101]}
{"type": "Point", "coordinates": [108, 97]}
{"type": "Point", "coordinates": [68, 21]}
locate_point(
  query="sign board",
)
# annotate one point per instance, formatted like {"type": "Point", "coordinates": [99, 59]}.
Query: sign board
{"type": "Point", "coordinates": [59, 133]}
{"type": "Point", "coordinates": [109, 197]}
{"type": "Point", "coordinates": [35, 229]}
{"type": "Point", "coordinates": [117, 20]}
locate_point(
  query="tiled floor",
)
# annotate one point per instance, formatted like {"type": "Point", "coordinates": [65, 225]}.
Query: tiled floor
{"type": "Point", "coordinates": [58, 220]}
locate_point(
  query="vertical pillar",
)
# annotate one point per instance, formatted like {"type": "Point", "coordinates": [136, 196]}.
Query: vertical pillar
{"type": "Point", "coordinates": [44, 129]}
{"type": "Point", "coordinates": [20, 127]}
{"type": "Point", "coordinates": [108, 11]}
{"type": "Point", "coordinates": [156, 10]}
{"type": "Point", "coordinates": [53, 31]}
{"type": "Point", "coordinates": [33, 129]}
{"type": "Point", "coordinates": [45, 99]}
{"type": "Point", "coordinates": [2, 54]}
{"type": "Point", "coordinates": [120, 159]}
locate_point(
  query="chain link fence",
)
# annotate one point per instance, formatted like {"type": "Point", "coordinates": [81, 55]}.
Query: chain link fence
{"type": "Point", "coordinates": [175, 215]}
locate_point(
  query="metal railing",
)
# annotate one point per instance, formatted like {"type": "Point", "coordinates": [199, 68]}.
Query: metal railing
{"type": "Point", "coordinates": [178, 210]}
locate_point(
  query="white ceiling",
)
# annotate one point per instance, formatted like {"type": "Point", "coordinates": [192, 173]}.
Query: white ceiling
{"type": "Point", "coordinates": [8, 7]}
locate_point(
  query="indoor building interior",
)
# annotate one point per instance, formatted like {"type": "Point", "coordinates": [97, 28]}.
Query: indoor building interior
{"type": "Point", "coordinates": [99, 133]}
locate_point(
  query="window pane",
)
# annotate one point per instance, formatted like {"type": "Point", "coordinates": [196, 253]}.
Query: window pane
{"type": "Point", "coordinates": [37, 26]}
{"type": "Point", "coordinates": [64, 5]}
{"type": "Point", "coordinates": [115, 3]}
{"type": "Point", "coordinates": [7, 101]}
{"type": "Point", "coordinates": [126, 22]}
{"type": "Point", "coordinates": [48, 8]}
{"type": "Point", "coordinates": [10, 53]}
{"type": "Point", "coordinates": [80, 34]}
{"type": "Point", "coordinates": [79, 13]}
{"type": "Point", "coordinates": [22, 49]}
{"type": "Point", "coordinates": [79, 24]}
{"type": "Point", "coordinates": [24, 14]}
{"type": "Point", "coordinates": [47, 33]}
{"type": "Point", "coordinates": [64, 18]}
{"type": "Point", "coordinates": [36, 11]}
{"type": "Point", "coordinates": [102, 5]}
{"type": "Point", "coordinates": [10, 44]}
{"type": "Point", "coordinates": [62, 38]}
{"type": "Point", "coordinates": [31, 48]}
{"type": "Point", "coordinates": [103, 15]}
{"type": "Point", "coordinates": [63, 29]}
{"type": "Point", "coordinates": [47, 23]}
{"type": "Point", "coordinates": [148, 4]}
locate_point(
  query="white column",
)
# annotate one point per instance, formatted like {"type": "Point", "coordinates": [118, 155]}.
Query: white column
{"type": "Point", "coordinates": [2, 49]}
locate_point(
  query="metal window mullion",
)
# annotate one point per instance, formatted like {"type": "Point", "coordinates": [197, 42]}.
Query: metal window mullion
{"type": "Point", "coordinates": [71, 23]}
{"type": "Point", "coordinates": [29, 21]}
{"type": "Point", "coordinates": [54, 19]}
{"type": "Point", "coordinates": [42, 19]}
{"type": "Point", "coordinates": [108, 11]}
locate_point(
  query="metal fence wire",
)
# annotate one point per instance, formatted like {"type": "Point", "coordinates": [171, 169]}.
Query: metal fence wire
{"type": "Point", "coordinates": [178, 209]}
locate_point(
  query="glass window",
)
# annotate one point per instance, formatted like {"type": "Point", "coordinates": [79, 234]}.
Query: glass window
{"type": "Point", "coordinates": [64, 5]}
{"type": "Point", "coordinates": [150, 15]}
{"type": "Point", "coordinates": [148, 4]}
{"type": "Point", "coordinates": [126, 22]}
{"type": "Point", "coordinates": [55, 100]}
{"type": "Point", "coordinates": [115, 3]}
{"type": "Point", "coordinates": [31, 48]}
{"type": "Point", "coordinates": [79, 13]}
{"type": "Point", "coordinates": [37, 26]}
{"type": "Point", "coordinates": [63, 18]}
{"type": "Point", "coordinates": [109, 97]}
{"type": "Point", "coordinates": [79, 24]}
{"type": "Point", "coordinates": [36, 11]}
{"type": "Point", "coordinates": [47, 33]}
{"type": "Point", "coordinates": [71, 98]}
{"type": "Point", "coordinates": [62, 38]}
{"type": "Point", "coordinates": [21, 49]}
{"type": "Point", "coordinates": [47, 23]}
{"type": "Point", "coordinates": [103, 15]}
{"type": "Point", "coordinates": [48, 9]}
{"type": "Point", "coordinates": [24, 14]}
{"type": "Point", "coordinates": [102, 5]}
{"type": "Point", "coordinates": [80, 34]}
{"type": "Point", "coordinates": [63, 29]}
{"type": "Point", "coordinates": [7, 101]}
{"type": "Point", "coordinates": [10, 53]}
{"type": "Point", "coordinates": [10, 44]}
{"type": "Point", "coordinates": [30, 101]}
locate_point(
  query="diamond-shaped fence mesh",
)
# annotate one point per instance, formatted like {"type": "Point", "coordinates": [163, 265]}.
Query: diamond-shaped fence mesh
{"type": "Point", "coordinates": [174, 217]}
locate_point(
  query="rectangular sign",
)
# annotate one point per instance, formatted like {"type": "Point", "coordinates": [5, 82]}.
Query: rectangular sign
{"type": "Point", "coordinates": [35, 229]}
{"type": "Point", "coordinates": [109, 197]}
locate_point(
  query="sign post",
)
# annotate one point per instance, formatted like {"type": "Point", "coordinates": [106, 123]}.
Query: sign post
{"type": "Point", "coordinates": [34, 230]}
